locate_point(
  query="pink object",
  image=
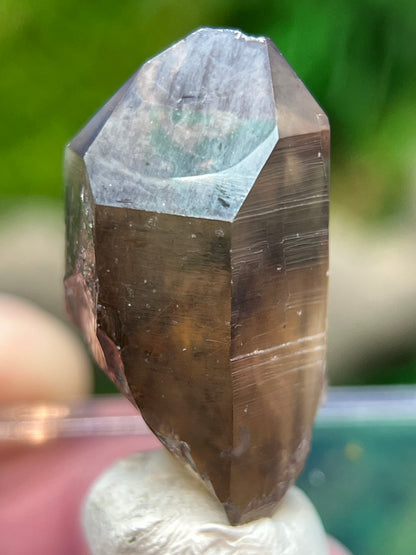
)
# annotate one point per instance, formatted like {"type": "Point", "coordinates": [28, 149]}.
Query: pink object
{"type": "Point", "coordinates": [42, 487]}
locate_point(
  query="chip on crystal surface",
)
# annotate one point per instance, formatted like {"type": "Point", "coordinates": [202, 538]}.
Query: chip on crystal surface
{"type": "Point", "coordinates": [197, 258]}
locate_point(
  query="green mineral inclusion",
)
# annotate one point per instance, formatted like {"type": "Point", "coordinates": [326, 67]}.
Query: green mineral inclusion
{"type": "Point", "coordinates": [211, 152]}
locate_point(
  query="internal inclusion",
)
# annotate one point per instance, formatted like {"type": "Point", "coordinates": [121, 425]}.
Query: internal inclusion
{"type": "Point", "coordinates": [184, 142]}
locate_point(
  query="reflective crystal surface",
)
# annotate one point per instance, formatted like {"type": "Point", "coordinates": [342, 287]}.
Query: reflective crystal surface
{"type": "Point", "coordinates": [197, 258]}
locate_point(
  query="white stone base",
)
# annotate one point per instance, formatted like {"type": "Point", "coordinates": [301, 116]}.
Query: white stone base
{"type": "Point", "coordinates": [149, 504]}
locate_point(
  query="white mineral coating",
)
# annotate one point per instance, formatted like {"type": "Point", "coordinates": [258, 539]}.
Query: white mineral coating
{"type": "Point", "coordinates": [150, 504]}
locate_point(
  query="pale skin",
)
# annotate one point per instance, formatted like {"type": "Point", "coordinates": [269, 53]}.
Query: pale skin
{"type": "Point", "coordinates": [42, 487]}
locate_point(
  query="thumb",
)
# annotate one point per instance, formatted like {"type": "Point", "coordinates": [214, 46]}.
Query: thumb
{"type": "Point", "coordinates": [40, 358]}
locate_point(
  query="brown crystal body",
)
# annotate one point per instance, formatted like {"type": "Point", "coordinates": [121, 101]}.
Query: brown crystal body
{"type": "Point", "coordinates": [197, 258]}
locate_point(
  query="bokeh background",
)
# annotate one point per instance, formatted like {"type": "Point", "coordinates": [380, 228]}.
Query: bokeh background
{"type": "Point", "coordinates": [60, 61]}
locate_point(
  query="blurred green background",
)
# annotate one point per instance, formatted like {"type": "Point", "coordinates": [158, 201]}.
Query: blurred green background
{"type": "Point", "coordinates": [60, 61]}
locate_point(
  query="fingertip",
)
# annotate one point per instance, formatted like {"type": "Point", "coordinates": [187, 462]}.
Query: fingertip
{"type": "Point", "coordinates": [41, 359]}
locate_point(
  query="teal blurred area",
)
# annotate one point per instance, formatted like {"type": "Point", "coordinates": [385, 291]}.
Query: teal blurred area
{"type": "Point", "coordinates": [360, 471]}
{"type": "Point", "coordinates": [61, 61]}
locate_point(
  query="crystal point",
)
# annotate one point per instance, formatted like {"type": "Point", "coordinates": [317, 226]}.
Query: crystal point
{"type": "Point", "coordinates": [197, 257]}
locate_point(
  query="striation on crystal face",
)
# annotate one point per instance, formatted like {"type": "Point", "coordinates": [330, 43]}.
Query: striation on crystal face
{"type": "Point", "coordinates": [197, 258]}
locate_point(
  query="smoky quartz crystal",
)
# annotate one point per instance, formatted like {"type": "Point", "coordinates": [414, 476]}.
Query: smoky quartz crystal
{"type": "Point", "coordinates": [197, 258]}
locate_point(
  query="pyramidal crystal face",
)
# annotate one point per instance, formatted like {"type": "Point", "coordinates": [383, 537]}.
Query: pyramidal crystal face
{"type": "Point", "coordinates": [197, 258]}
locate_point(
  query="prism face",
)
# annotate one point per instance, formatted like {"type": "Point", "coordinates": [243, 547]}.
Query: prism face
{"type": "Point", "coordinates": [165, 302]}
{"type": "Point", "coordinates": [280, 264]}
{"type": "Point", "coordinates": [80, 279]}
{"type": "Point", "coordinates": [198, 256]}
{"type": "Point", "coordinates": [81, 284]}
{"type": "Point", "coordinates": [80, 251]}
